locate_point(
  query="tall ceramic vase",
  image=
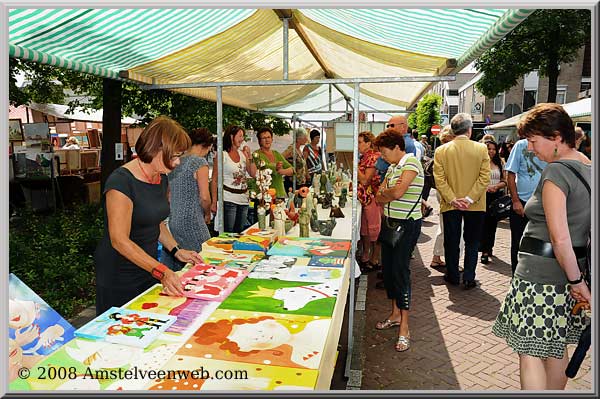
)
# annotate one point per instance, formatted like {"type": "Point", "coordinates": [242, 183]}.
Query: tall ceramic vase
{"type": "Point", "coordinates": [262, 217]}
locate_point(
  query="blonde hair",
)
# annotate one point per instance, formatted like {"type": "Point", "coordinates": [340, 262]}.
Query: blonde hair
{"type": "Point", "coordinates": [446, 135]}
{"type": "Point", "coordinates": [72, 140]}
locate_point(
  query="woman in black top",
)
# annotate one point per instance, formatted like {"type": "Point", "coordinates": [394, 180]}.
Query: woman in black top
{"type": "Point", "coordinates": [136, 205]}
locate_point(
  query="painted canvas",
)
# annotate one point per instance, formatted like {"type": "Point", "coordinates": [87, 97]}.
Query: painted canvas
{"type": "Point", "coordinates": [247, 376]}
{"type": "Point", "coordinates": [305, 246]}
{"type": "Point", "coordinates": [327, 261]}
{"type": "Point", "coordinates": [279, 296]}
{"type": "Point", "coordinates": [224, 245]}
{"type": "Point", "coordinates": [190, 313]}
{"type": "Point", "coordinates": [276, 267]}
{"type": "Point", "coordinates": [35, 330]}
{"type": "Point", "coordinates": [211, 283]}
{"type": "Point", "coordinates": [96, 366]}
{"type": "Point", "coordinates": [331, 275]}
{"type": "Point", "coordinates": [127, 327]}
{"type": "Point", "coordinates": [36, 131]}
{"type": "Point", "coordinates": [260, 338]}
{"type": "Point", "coordinates": [220, 259]}
{"type": "Point", "coordinates": [15, 130]}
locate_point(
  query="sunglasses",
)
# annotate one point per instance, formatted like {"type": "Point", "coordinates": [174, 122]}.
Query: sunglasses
{"type": "Point", "coordinates": [393, 125]}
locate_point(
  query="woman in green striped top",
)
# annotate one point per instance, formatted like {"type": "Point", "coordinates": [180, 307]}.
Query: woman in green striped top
{"type": "Point", "coordinates": [400, 196]}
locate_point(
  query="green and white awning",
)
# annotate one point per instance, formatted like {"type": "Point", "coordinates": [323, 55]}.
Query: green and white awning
{"type": "Point", "coordinates": [178, 46]}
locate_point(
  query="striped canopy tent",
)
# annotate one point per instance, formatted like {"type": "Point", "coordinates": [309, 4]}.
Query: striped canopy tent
{"type": "Point", "coordinates": [184, 46]}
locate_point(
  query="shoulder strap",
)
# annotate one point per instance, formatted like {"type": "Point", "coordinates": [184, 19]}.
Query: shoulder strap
{"type": "Point", "coordinates": [576, 173]}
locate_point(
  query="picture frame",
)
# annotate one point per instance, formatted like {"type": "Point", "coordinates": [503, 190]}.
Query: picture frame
{"type": "Point", "coordinates": [36, 131]}
{"type": "Point", "coordinates": [15, 130]}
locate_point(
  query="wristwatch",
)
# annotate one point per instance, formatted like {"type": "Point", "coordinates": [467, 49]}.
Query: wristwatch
{"type": "Point", "coordinates": [174, 250]}
{"type": "Point", "coordinates": [579, 280]}
{"type": "Point", "coordinates": [158, 272]}
{"type": "Point", "coordinates": [469, 199]}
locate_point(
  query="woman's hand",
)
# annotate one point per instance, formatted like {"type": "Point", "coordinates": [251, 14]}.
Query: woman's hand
{"type": "Point", "coordinates": [213, 207]}
{"type": "Point", "coordinates": [247, 154]}
{"type": "Point", "coordinates": [171, 283]}
{"type": "Point", "coordinates": [278, 167]}
{"type": "Point", "coordinates": [187, 256]}
{"type": "Point", "coordinates": [581, 293]}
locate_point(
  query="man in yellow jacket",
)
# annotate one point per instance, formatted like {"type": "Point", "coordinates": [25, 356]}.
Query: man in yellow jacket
{"type": "Point", "coordinates": [462, 173]}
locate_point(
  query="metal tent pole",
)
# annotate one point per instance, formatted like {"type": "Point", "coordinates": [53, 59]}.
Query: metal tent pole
{"type": "Point", "coordinates": [220, 226]}
{"type": "Point", "coordinates": [294, 159]}
{"type": "Point", "coordinates": [286, 26]}
{"type": "Point", "coordinates": [355, 223]}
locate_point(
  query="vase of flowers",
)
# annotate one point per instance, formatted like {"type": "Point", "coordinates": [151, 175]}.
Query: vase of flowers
{"type": "Point", "coordinates": [261, 191]}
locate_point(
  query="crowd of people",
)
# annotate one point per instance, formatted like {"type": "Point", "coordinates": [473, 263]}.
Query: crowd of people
{"type": "Point", "coordinates": [549, 220]}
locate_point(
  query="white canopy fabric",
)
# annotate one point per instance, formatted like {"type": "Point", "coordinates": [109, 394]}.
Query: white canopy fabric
{"type": "Point", "coordinates": [79, 114]}
{"type": "Point", "coordinates": [576, 110]}
{"type": "Point", "coordinates": [182, 46]}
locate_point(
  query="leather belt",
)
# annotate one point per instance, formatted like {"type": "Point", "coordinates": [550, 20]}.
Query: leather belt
{"type": "Point", "coordinates": [538, 247]}
{"type": "Point", "coordinates": [235, 190]}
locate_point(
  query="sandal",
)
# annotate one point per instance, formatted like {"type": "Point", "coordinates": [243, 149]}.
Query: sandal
{"type": "Point", "coordinates": [403, 343]}
{"type": "Point", "coordinates": [385, 324]}
{"type": "Point", "coordinates": [373, 266]}
{"type": "Point", "coordinates": [437, 265]}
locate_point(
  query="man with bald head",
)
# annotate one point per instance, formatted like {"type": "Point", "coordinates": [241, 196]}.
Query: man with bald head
{"type": "Point", "coordinates": [399, 124]}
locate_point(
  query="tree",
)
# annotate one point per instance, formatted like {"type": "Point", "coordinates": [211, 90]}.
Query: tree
{"type": "Point", "coordinates": [428, 112]}
{"type": "Point", "coordinates": [47, 84]}
{"type": "Point", "coordinates": [412, 120]}
{"type": "Point", "coordinates": [543, 41]}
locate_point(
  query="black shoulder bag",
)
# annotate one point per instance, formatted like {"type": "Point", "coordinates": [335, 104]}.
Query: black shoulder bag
{"type": "Point", "coordinates": [585, 269]}
{"type": "Point", "coordinates": [392, 232]}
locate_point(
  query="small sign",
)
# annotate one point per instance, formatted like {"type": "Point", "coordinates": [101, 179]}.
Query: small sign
{"type": "Point", "coordinates": [436, 129]}
{"type": "Point", "coordinates": [119, 151]}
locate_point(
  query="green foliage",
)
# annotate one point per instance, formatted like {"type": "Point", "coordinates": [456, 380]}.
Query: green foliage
{"type": "Point", "coordinates": [412, 120]}
{"type": "Point", "coordinates": [53, 255]}
{"type": "Point", "coordinates": [543, 41]}
{"type": "Point", "coordinates": [47, 85]}
{"type": "Point", "coordinates": [428, 112]}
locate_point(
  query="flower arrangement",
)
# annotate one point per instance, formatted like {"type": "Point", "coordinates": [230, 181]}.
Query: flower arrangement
{"type": "Point", "coordinates": [263, 182]}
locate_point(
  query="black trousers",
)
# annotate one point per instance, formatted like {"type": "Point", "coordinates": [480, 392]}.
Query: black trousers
{"type": "Point", "coordinates": [396, 265]}
{"type": "Point", "coordinates": [490, 223]}
{"type": "Point", "coordinates": [472, 232]}
{"type": "Point", "coordinates": [517, 227]}
{"type": "Point", "coordinates": [107, 297]}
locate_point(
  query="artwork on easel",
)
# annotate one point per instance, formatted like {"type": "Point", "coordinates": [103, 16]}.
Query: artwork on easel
{"type": "Point", "coordinates": [210, 282]}
{"type": "Point", "coordinates": [36, 131]}
{"type": "Point", "coordinates": [262, 378]}
{"type": "Point", "coordinates": [127, 327]}
{"type": "Point", "coordinates": [190, 313]}
{"type": "Point", "coordinates": [15, 130]}
{"type": "Point", "coordinates": [260, 338]}
{"type": "Point", "coordinates": [35, 330]}
{"type": "Point", "coordinates": [280, 296]}
{"type": "Point", "coordinates": [302, 246]}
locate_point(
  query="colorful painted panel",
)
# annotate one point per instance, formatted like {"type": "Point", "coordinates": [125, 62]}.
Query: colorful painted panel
{"type": "Point", "coordinates": [34, 328]}
{"type": "Point", "coordinates": [97, 365]}
{"type": "Point", "coordinates": [303, 246]}
{"type": "Point", "coordinates": [327, 261]}
{"type": "Point", "coordinates": [127, 327]}
{"type": "Point", "coordinates": [246, 376]}
{"type": "Point", "coordinates": [330, 275]}
{"type": "Point", "coordinates": [221, 259]}
{"type": "Point", "coordinates": [260, 338]}
{"type": "Point", "coordinates": [268, 269]}
{"type": "Point", "coordinates": [190, 313]}
{"type": "Point", "coordinates": [224, 245]}
{"type": "Point", "coordinates": [278, 296]}
{"type": "Point", "coordinates": [210, 282]}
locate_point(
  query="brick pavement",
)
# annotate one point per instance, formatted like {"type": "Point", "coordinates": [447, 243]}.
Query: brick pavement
{"type": "Point", "coordinates": [452, 346]}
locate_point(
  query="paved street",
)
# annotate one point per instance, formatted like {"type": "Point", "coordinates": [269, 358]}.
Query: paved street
{"type": "Point", "coordinates": [453, 347]}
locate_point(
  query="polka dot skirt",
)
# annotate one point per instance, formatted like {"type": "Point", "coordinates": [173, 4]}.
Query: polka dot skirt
{"type": "Point", "coordinates": [535, 319]}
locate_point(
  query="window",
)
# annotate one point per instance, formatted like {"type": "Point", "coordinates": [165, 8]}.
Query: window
{"type": "Point", "coordinates": [561, 94]}
{"type": "Point", "coordinates": [452, 92]}
{"type": "Point", "coordinates": [529, 99]}
{"type": "Point", "coordinates": [499, 103]}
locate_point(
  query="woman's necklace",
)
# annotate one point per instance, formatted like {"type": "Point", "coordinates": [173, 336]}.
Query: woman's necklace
{"type": "Point", "coordinates": [151, 181]}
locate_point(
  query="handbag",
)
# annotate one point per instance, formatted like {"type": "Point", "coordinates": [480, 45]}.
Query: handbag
{"type": "Point", "coordinates": [392, 232]}
{"type": "Point", "coordinates": [586, 270]}
{"type": "Point", "coordinates": [500, 207]}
